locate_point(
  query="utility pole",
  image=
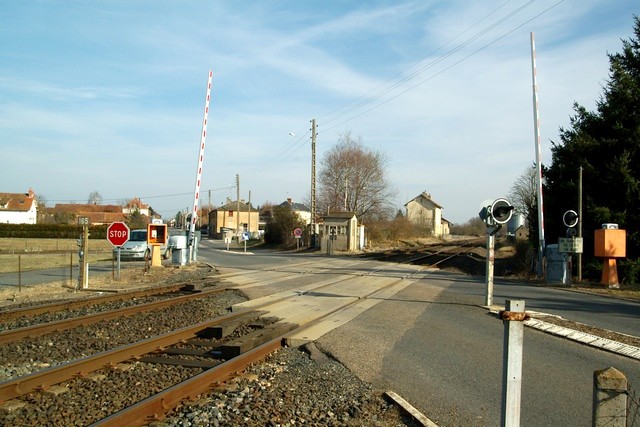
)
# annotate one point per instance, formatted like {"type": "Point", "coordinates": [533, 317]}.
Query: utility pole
{"type": "Point", "coordinates": [249, 213]}
{"type": "Point", "coordinates": [313, 184]}
{"type": "Point", "coordinates": [580, 223]}
{"type": "Point", "coordinates": [346, 192]}
{"type": "Point", "coordinates": [238, 205]}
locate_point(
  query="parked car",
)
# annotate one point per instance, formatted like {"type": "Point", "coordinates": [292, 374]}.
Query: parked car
{"type": "Point", "coordinates": [138, 248]}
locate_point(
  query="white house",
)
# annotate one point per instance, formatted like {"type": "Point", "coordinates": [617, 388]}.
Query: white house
{"type": "Point", "coordinates": [136, 205]}
{"type": "Point", "coordinates": [422, 210]}
{"type": "Point", "coordinates": [298, 208]}
{"type": "Point", "coordinates": [18, 208]}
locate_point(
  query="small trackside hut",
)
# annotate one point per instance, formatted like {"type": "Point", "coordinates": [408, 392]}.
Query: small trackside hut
{"type": "Point", "coordinates": [339, 232]}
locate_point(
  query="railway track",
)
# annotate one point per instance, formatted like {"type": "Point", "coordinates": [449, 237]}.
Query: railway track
{"type": "Point", "coordinates": [161, 371]}
{"type": "Point", "coordinates": [10, 314]}
{"type": "Point", "coordinates": [12, 335]}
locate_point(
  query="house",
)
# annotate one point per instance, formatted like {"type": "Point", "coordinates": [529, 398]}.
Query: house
{"type": "Point", "coordinates": [18, 208]}
{"type": "Point", "coordinates": [233, 216]}
{"type": "Point", "coordinates": [97, 214]}
{"type": "Point", "coordinates": [423, 211]}
{"type": "Point", "coordinates": [339, 231]}
{"type": "Point", "coordinates": [136, 205]}
{"type": "Point", "coordinates": [298, 208]}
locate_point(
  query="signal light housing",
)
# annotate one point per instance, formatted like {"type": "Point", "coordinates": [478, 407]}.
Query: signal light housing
{"type": "Point", "coordinates": [496, 212]}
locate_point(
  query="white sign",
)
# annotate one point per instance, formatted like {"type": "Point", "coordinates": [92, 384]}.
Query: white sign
{"type": "Point", "coordinates": [570, 245]}
{"type": "Point", "coordinates": [245, 236]}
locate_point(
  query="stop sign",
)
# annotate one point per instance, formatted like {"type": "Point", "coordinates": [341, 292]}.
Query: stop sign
{"type": "Point", "coordinates": [118, 233]}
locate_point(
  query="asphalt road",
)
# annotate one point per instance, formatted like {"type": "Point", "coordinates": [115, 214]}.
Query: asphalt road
{"type": "Point", "coordinates": [436, 346]}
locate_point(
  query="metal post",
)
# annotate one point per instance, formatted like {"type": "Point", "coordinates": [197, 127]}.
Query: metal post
{"type": "Point", "coordinates": [313, 237]}
{"type": "Point", "coordinates": [85, 251]}
{"type": "Point", "coordinates": [488, 301]}
{"type": "Point", "coordinates": [19, 273]}
{"type": "Point", "coordinates": [512, 351]}
{"type": "Point", "coordinates": [118, 261]}
{"type": "Point", "coordinates": [86, 276]}
{"type": "Point", "coordinates": [609, 398]}
{"type": "Point", "coordinates": [71, 269]}
{"type": "Point", "coordinates": [238, 207]}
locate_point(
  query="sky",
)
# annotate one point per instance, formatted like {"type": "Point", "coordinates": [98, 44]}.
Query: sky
{"type": "Point", "coordinates": [109, 96]}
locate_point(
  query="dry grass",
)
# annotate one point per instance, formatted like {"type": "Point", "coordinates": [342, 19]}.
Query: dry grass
{"type": "Point", "coordinates": [130, 279]}
{"type": "Point", "coordinates": [31, 254]}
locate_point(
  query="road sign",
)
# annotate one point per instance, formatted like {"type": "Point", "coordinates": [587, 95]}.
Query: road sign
{"type": "Point", "coordinates": [297, 232]}
{"type": "Point", "coordinates": [83, 220]}
{"type": "Point", "coordinates": [246, 236]}
{"type": "Point", "coordinates": [570, 245]}
{"type": "Point", "coordinates": [118, 233]}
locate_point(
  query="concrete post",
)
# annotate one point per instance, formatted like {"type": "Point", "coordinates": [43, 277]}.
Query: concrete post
{"type": "Point", "coordinates": [512, 351]}
{"type": "Point", "coordinates": [609, 398]}
{"type": "Point", "coordinates": [490, 261]}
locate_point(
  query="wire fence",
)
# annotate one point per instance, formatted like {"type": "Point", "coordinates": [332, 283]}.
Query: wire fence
{"type": "Point", "coordinates": [31, 268]}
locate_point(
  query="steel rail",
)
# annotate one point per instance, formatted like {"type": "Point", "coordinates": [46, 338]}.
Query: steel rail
{"type": "Point", "coordinates": [47, 377]}
{"type": "Point", "coordinates": [70, 305]}
{"type": "Point", "coordinates": [13, 335]}
{"type": "Point", "coordinates": [447, 249]}
{"type": "Point", "coordinates": [154, 407]}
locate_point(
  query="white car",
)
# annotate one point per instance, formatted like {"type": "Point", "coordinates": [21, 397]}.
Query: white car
{"type": "Point", "coordinates": [138, 248]}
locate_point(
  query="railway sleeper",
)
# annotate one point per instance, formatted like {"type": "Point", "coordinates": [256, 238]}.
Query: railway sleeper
{"type": "Point", "coordinates": [252, 340]}
{"type": "Point", "coordinates": [222, 331]}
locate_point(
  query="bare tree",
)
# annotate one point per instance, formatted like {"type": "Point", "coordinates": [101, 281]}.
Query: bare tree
{"type": "Point", "coordinates": [523, 193]}
{"type": "Point", "coordinates": [95, 198]}
{"type": "Point", "coordinates": [352, 178]}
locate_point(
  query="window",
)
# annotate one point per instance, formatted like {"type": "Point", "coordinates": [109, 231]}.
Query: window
{"type": "Point", "coordinates": [230, 213]}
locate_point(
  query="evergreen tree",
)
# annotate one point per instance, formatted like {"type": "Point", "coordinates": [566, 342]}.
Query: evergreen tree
{"type": "Point", "coordinates": [606, 143]}
{"type": "Point", "coordinates": [280, 226]}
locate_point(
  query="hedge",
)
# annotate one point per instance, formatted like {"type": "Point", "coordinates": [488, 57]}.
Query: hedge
{"type": "Point", "coordinates": [50, 231]}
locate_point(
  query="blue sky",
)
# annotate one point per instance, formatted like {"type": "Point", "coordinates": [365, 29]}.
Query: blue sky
{"type": "Point", "coordinates": [108, 96]}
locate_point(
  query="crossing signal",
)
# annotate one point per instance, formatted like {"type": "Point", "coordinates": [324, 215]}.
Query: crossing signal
{"type": "Point", "coordinates": [497, 211]}
{"type": "Point", "coordinates": [570, 218]}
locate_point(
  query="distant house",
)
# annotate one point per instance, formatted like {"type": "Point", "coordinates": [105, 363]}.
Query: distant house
{"type": "Point", "coordinates": [18, 208]}
{"type": "Point", "coordinates": [227, 218]}
{"type": "Point", "coordinates": [136, 205]}
{"type": "Point", "coordinates": [422, 210]}
{"type": "Point", "coordinates": [298, 208]}
{"type": "Point", "coordinates": [97, 214]}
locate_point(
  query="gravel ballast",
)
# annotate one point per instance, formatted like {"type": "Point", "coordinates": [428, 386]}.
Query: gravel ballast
{"type": "Point", "coordinates": [293, 387]}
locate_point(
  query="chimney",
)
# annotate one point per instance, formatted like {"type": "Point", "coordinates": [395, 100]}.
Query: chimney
{"type": "Point", "coordinates": [289, 201]}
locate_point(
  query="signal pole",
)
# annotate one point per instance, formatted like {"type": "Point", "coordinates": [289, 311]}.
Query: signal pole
{"type": "Point", "coordinates": [313, 184]}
